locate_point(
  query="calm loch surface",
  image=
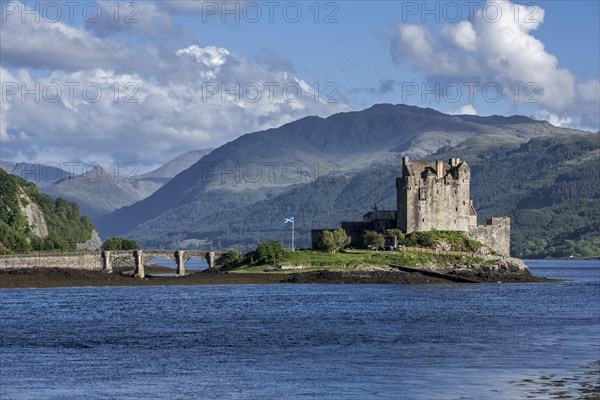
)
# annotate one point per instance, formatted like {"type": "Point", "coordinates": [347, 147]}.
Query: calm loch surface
{"type": "Point", "coordinates": [484, 341]}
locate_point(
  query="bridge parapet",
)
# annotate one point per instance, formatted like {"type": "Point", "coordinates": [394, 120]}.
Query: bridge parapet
{"type": "Point", "coordinates": [77, 260]}
{"type": "Point", "coordinates": [142, 257]}
{"type": "Point", "coordinates": [102, 261]}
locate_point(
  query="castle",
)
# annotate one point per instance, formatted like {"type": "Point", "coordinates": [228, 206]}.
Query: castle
{"type": "Point", "coordinates": [434, 196]}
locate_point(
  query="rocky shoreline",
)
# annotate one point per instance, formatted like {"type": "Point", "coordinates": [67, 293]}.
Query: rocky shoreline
{"type": "Point", "coordinates": [511, 271]}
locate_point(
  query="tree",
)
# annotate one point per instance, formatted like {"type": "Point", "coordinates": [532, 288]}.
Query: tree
{"type": "Point", "coordinates": [231, 259]}
{"type": "Point", "coordinates": [373, 239]}
{"type": "Point", "coordinates": [271, 250]}
{"type": "Point", "coordinates": [118, 243]}
{"type": "Point", "coordinates": [332, 241]}
{"type": "Point", "coordinates": [397, 235]}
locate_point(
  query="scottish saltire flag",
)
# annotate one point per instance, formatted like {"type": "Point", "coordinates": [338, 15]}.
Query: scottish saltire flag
{"type": "Point", "coordinates": [288, 220]}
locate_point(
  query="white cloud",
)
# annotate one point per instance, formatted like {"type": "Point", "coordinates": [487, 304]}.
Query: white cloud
{"type": "Point", "coordinates": [553, 118]}
{"type": "Point", "coordinates": [500, 51]}
{"type": "Point", "coordinates": [462, 35]}
{"type": "Point", "coordinates": [40, 43]}
{"type": "Point", "coordinates": [207, 100]}
{"type": "Point", "coordinates": [467, 109]}
{"type": "Point", "coordinates": [159, 98]}
{"type": "Point", "coordinates": [210, 56]}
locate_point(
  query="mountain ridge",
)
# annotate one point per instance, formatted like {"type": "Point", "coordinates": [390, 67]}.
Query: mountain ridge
{"type": "Point", "coordinates": [343, 142]}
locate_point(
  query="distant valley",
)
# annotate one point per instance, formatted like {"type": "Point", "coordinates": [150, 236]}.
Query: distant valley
{"type": "Point", "coordinates": [98, 191]}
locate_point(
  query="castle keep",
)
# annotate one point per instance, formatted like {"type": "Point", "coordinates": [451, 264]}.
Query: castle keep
{"type": "Point", "coordinates": [434, 196]}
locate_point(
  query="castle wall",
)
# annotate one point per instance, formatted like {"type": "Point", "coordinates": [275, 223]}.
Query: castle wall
{"type": "Point", "coordinates": [402, 205]}
{"type": "Point", "coordinates": [356, 230]}
{"type": "Point", "coordinates": [87, 261]}
{"type": "Point", "coordinates": [495, 233]}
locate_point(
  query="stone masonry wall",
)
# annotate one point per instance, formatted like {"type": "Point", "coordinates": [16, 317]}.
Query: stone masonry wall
{"type": "Point", "coordinates": [434, 203]}
{"type": "Point", "coordinates": [87, 261]}
{"type": "Point", "coordinates": [495, 233]}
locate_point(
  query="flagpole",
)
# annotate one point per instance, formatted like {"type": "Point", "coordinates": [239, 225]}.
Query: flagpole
{"type": "Point", "coordinates": [285, 221]}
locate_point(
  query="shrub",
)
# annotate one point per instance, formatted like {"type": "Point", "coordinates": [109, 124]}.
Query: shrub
{"type": "Point", "coordinates": [332, 241]}
{"type": "Point", "coordinates": [232, 259]}
{"type": "Point", "coordinates": [271, 250]}
{"type": "Point", "coordinates": [397, 234]}
{"type": "Point", "coordinates": [458, 240]}
{"type": "Point", "coordinates": [118, 243]}
{"type": "Point", "coordinates": [373, 239]}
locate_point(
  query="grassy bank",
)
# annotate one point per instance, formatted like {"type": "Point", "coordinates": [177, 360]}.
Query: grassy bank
{"type": "Point", "coordinates": [350, 260]}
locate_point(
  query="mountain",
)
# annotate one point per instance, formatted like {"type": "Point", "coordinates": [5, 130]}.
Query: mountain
{"type": "Point", "coordinates": [168, 171]}
{"type": "Point", "coordinates": [150, 182]}
{"type": "Point", "coordinates": [31, 220]}
{"type": "Point", "coordinates": [42, 175]}
{"type": "Point", "coordinates": [100, 192]}
{"type": "Point", "coordinates": [548, 186]}
{"type": "Point", "coordinates": [97, 191]}
{"type": "Point", "coordinates": [262, 165]}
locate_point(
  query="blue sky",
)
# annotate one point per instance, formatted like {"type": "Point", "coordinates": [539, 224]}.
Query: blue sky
{"type": "Point", "coordinates": [175, 59]}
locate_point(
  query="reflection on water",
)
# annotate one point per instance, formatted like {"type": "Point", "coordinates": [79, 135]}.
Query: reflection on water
{"type": "Point", "coordinates": [194, 264]}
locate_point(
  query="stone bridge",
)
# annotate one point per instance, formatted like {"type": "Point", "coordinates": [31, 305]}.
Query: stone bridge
{"type": "Point", "coordinates": [143, 257]}
{"type": "Point", "coordinates": [102, 261]}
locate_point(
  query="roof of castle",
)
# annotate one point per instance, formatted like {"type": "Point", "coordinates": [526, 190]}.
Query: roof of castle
{"type": "Point", "coordinates": [418, 168]}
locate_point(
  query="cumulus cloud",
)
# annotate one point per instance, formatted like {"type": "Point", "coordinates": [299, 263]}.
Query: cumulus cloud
{"type": "Point", "coordinates": [467, 109]}
{"type": "Point", "coordinates": [110, 98]}
{"type": "Point", "coordinates": [553, 118]}
{"type": "Point", "coordinates": [499, 50]}
{"type": "Point", "coordinates": [212, 96]}
{"type": "Point", "coordinates": [41, 43]}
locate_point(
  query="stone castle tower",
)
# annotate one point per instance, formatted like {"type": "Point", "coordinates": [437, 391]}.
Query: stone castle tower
{"type": "Point", "coordinates": [437, 195]}
{"type": "Point", "coordinates": [433, 195]}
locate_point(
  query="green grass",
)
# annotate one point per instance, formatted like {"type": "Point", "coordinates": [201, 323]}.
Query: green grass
{"type": "Point", "coordinates": [349, 260]}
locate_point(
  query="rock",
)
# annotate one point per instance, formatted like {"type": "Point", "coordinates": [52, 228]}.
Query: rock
{"type": "Point", "coordinates": [35, 217]}
{"type": "Point", "coordinates": [94, 243]}
{"type": "Point", "coordinates": [443, 244]}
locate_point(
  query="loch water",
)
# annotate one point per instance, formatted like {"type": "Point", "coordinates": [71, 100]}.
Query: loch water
{"type": "Point", "coordinates": [459, 341]}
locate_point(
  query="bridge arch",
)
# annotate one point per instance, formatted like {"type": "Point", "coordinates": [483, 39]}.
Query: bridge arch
{"type": "Point", "coordinates": [142, 257]}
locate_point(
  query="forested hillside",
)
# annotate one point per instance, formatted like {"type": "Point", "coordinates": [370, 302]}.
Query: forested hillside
{"type": "Point", "coordinates": [551, 189]}
{"type": "Point", "coordinates": [549, 186]}
{"type": "Point", "coordinates": [31, 220]}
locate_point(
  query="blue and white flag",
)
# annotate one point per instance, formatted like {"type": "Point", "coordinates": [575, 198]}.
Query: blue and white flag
{"type": "Point", "coordinates": [288, 220]}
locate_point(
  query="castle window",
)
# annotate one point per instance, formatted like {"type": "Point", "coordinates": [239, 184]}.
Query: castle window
{"type": "Point", "coordinates": [423, 220]}
{"type": "Point", "coordinates": [464, 203]}
{"type": "Point", "coordinates": [456, 208]}
{"type": "Point", "coordinates": [422, 194]}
